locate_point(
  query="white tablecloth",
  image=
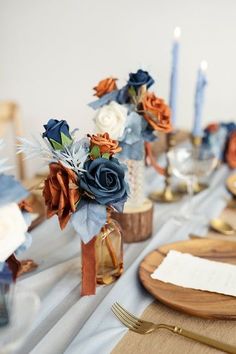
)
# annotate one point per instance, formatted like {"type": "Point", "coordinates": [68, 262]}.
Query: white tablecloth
{"type": "Point", "coordinates": [68, 323]}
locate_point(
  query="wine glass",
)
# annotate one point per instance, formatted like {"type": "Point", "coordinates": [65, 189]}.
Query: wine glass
{"type": "Point", "coordinates": [190, 164]}
{"type": "Point", "coordinates": [23, 305]}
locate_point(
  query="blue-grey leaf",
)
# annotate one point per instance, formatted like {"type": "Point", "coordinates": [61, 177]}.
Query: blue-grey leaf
{"type": "Point", "coordinates": [25, 245]}
{"type": "Point", "coordinates": [132, 152]}
{"type": "Point", "coordinates": [88, 220]}
{"type": "Point", "coordinates": [112, 96]}
{"type": "Point", "coordinates": [11, 191]}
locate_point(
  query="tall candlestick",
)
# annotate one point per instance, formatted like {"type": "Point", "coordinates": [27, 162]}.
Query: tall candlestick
{"type": "Point", "coordinates": [199, 99]}
{"type": "Point", "coordinates": [174, 76]}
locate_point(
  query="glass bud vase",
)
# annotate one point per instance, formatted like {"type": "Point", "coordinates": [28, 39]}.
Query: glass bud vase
{"type": "Point", "coordinates": [109, 252]}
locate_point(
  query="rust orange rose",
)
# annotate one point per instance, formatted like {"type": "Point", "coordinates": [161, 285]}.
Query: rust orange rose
{"type": "Point", "coordinates": [105, 144]}
{"type": "Point", "coordinates": [105, 86]}
{"type": "Point", "coordinates": [157, 112]}
{"type": "Point", "coordinates": [231, 151]}
{"type": "Point", "coordinates": [212, 128]}
{"type": "Point", "coordinates": [61, 193]}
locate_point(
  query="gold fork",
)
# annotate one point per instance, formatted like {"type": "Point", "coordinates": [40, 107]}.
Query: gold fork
{"type": "Point", "coordinates": [144, 327]}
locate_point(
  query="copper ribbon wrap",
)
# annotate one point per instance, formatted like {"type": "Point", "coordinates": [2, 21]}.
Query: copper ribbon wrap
{"type": "Point", "coordinates": [88, 268]}
{"type": "Point", "coordinates": [231, 150]}
{"type": "Point", "coordinates": [150, 159]}
{"type": "Point", "coordinates": [14, 266]}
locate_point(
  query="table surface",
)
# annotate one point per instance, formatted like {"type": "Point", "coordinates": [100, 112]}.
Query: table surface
{"type": "Point", "coordinates": [166, 341]}
{"type": "Point", "coordinates": [68, 323]}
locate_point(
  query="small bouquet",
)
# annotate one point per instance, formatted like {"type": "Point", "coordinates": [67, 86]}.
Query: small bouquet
{"type": "Point", "coordinates": [132, 114]}
{"type": "Point", "coordinates": [220, 138]}
{"type": "Point", "coordinates": [11, 206]}
{"type": "Point", "coordinates": [85, 179]}
{"type": "Point", "coordinates": [14, 238]}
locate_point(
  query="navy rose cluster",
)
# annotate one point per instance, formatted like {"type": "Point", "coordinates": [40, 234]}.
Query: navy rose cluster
{"type": "Point", "coordinates": [139, 79]}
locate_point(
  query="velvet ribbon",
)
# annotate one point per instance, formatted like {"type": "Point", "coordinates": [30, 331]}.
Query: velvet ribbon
{"type": "Point", "coordinates": [88, 268]}
{"type": "Point", "coordinates": [150, 159]}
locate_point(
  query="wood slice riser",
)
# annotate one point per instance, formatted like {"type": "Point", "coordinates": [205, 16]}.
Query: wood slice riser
{"type": "Point", "coordinates": [136, 225]}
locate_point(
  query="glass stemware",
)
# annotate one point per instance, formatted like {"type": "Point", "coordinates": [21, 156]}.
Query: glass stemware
{"type": "Point", "coordinates": [23, 307]}
{"type": "Point", "coordinates": [190, 164]}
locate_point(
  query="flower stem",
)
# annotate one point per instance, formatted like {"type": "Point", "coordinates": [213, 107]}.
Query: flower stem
{"type": "Point", "coordinates": [111, 252]}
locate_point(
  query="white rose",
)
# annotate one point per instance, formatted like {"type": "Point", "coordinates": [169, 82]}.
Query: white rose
{"type": "Point", "coordinates": [111, 119]}
{"type": "Point", "coordinates": [12, 230]}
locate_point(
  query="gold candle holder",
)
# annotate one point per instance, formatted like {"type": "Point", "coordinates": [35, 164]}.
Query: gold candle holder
{"type": "Point", "coordinates": [198, 186]}
{"type": "Point", "coordinates": [167, 195]}
{"type": "Point", "coordinates": [196, 141]}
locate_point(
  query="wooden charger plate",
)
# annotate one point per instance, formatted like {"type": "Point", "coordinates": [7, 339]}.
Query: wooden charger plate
{"type": "Point", "coordinates": [194, 302]}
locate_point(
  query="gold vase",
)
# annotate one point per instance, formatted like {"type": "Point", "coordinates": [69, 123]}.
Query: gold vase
{"type": "Point", "coordinates": [109, 252]}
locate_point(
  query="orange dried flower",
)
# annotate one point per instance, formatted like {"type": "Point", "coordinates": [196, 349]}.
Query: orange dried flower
{"type": "Point", "coordinates": [61, 193]}
{"type": "Point", "coordinates": [24, 205]}
{"type": "Point", "coordinates": [157, 112]}
{"type": "Point", "coordinates": [105, 86]}
{"type": "Point", "coordinates": [231, 151]}
{"type": "Point", "coordinates": [105, 143]}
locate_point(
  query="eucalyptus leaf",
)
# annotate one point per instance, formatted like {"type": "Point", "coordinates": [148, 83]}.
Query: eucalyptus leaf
{"type": "Point", "coordinates": [89, 220]}
{"type": "Point", "coordinates": [11, 191]}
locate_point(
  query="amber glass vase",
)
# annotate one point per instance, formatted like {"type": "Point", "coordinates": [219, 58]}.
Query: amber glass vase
{"type": "Point", "coordinates": [109, 252]}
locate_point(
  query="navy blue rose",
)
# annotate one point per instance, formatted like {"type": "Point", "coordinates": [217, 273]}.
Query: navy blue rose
{"type": "Point", "coordinates": [104, 180]}
{"type": "Point", "coordinates": [139, 79]}
{"type": "Point", "coordinates": [229, 126]}
{"type": "Point", "coordinates": [58, 134]}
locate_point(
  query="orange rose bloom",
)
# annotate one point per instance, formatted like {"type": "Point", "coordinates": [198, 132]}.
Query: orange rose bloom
{"type": "Point", "coordinates": [157, 112]}
{"type": "Point", "coordinates": [231, 151]}
{"type": "Point", "coordinates": [61, 193]}
{"type": "Point", "coordinates": [105, 86]}
{"type": "Point", "coordinates": [105, 143]}
{"type": "Point", "coordinates": [212, 128]}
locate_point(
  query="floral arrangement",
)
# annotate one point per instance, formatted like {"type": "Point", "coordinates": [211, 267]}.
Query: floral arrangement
{"type": "Point", "coordinates": [85, 178]}
{"type": "Point", "coordinates": [221, 139]}
{"type": "Point", "coordinates": [132, 114]}
{"type": "Point", "coordinates": [11, 191]}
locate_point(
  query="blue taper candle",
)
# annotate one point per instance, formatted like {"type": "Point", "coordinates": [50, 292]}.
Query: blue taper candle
{"type": "Point", "coordinates": [174, 76]}
{"type": "Point", "coordinates": [199, 99]}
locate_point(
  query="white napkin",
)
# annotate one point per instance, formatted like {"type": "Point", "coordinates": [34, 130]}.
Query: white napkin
{"type": "Point", "coordinates": [188, 271]}
{"type": "Point", "coordinates": [12, 230]}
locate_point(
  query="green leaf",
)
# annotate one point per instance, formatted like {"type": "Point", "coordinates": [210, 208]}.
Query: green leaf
{"type": "Point", "coordinates": [55, 144]}
{"type": "Point", "coordinates": [95, 152]}
{"type": "Point", "coordinates": [132, 91]}
{"type": "Point", "coordinates": [106, 155]}
{"type": "Point", "coordinates": [65, 140]}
